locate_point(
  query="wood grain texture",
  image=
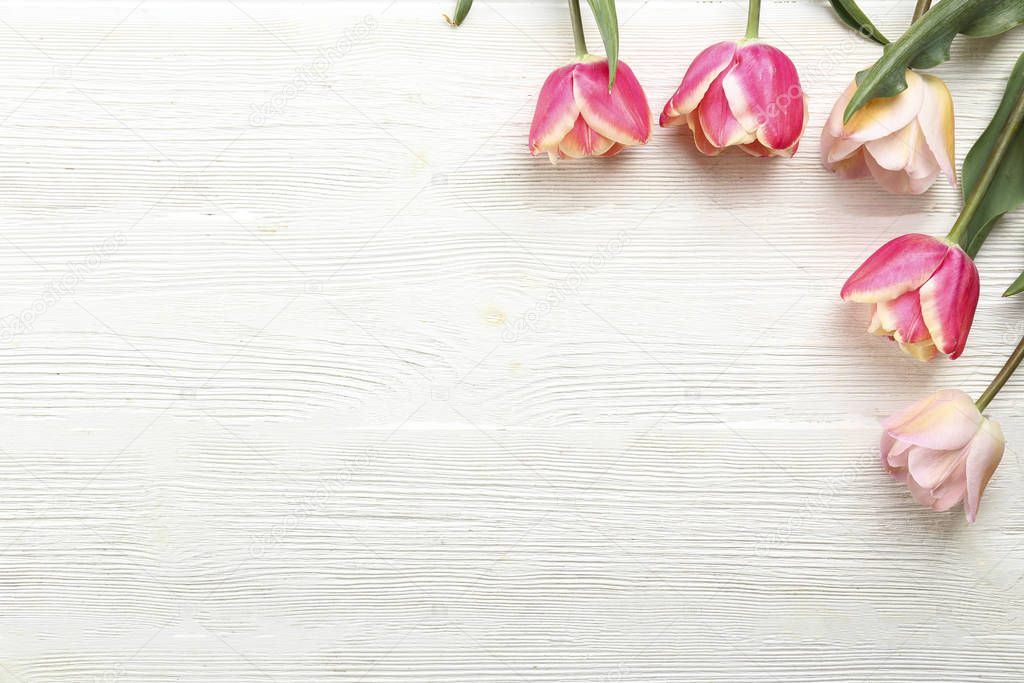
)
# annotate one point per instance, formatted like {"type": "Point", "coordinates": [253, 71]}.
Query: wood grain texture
{"type": "Point", "coordinates": [319, 376]}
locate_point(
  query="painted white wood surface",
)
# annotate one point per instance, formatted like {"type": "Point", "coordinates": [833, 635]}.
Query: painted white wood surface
{"type": "Point", "coordinates": [302, 414]}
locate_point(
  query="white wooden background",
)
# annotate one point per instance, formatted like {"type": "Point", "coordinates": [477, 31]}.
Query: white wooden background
{"type": "Point", "coordinates": [322, 377]}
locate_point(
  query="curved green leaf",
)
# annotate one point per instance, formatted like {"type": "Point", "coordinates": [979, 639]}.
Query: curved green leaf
{"type": "Point", "coordinates": [461, 10]}
{"type": "Point", "coordinates": [998, 18]}
{"type": "Point", "coordinates": [926, 44]}
{"type": "Point", "coordinates": [854, 17]}
{"type": "Point", "coordinates": [1006, 190]}
{"type": "Point", "coordinates": [608, 24]}
{"type": "Point", "coordinates": [1017, 287]}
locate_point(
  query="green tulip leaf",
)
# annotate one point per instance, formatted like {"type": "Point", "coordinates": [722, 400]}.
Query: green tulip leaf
{"type": "Point", "coordinates": [926, 44]}
{"type": "Point", "coordinates": [1005, 192]}
{"type": "Point", "coordinates": [854, 17]}
{"type": "Point", "coordinates": [608, 24]}
{"type": "Point", "coordinates": [461, 10]}
{"type": "Point", "coordinates": [1017, 287]}
{"type": "Point", "coordinates": [999, 18]}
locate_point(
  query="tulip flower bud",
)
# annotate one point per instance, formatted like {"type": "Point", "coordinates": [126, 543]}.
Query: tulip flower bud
{"type": "Point", "coordinates": [902, 141]}
{"type": "Point", "coordinates": [577, 116]}
{"type": "Point", "coordinates": [745, 94]}
{"type": "Point", "coordinates": [924, 292]}
{"type": "Point", "coordinates": [944, 450]}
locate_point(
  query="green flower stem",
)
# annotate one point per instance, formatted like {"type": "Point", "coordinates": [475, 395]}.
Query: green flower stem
{"type": "Point", "coordinates": [577, 29]}
{"type": "Point", "coordinates": [1000, 379]}
{"type": "Point", "coordinates": [922, 7]}
{"type": "Point", "coordinates": [753, 19]}
{"type": "Point", "coordinates": [988, 174]}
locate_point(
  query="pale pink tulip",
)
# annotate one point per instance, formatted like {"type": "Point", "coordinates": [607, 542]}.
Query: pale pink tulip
{"type": "Point", "coordinates": [745, 94]}
{"type": "Point", "coordinates": [902, 141]}
{"type": "Point", "coordinates": [576, 115]}
{"type": "Point", "coordinates": [924, 292]}
{"type": "Point", "coordinates": [944, 450]}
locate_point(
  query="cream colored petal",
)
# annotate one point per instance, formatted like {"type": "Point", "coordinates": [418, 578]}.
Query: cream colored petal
{"type": "Point", "coordinates": [896, 182]}
{"type": "Point", "coordinates": [853, 167]}
{"type": "Point", "coordinates": [841, 148]}
{"type": "Point", "coordinates": [923, 351]}
{"type": "Point", "coordinates": [834, 125]}
{"type": "Point", "coordinates": [883, 116]}
{"type": "Point", "coordinates": [875, 326]}
{"type": "Point", "coordinates": [986, 451]}
{"type": "Point", "coordinates": [923, 163]}
{"type": "Point", "coordinates": [895, 151]}
{"type": "Point", "coordinates": [936, 119]}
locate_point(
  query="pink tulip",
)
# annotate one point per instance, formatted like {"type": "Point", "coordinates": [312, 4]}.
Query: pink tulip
{"type": "Point", "coordinates": [944, 450]}
{"type": "Point", "coordinates": [924, 292]}
{"type": "Point", "coordinates": [902, 141]}
{"type": "Point", "coordinates": [577, 117]}
{"type": "Point", "coordinates": [745, 94]}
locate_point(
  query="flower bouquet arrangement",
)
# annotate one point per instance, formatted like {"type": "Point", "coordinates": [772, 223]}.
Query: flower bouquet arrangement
{"type": "Point", "coordinates": [895, 124]}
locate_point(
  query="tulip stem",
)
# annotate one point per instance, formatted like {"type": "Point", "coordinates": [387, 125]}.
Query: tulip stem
{"type": "Point", "coordinates": [988, 174]}
{"type": "Point", "coordinates": [577, 29]}
{"type": "Point", "coordinates": [753, 19]}
{"type": "Point", "coordinates": [922, 7]}
{"type": "Point", "coordinates": [1000, 379]}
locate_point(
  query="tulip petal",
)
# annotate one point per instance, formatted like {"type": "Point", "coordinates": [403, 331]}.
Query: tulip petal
{"type": "Point", "coordinates": [985, 453]}
{"type": "Point", "coordinates": [704, 145]}
{"type": "Point", "coordinates": [899, 455]}
{"type": "Point", "coordinates": [875, 326]}
{"type": "Point", "coordinates": [764, 94]}
{"type": "Point", "coordinates": [894, 151]}
{"type": "Point", "coordinates": [698, 78]}
{"type": "Point", "coordinates": [788, 152]}
{"type": "Point", "coordinates": [716, 118]}
{"type": "Point", "coordinates": [582, 141]}
{"type": "Point", "coordinates": [901, 318]}
{"type": "Point", "coordinates": [923, 163]}
{"type": "Point", "coordinates": [900, 265]}
{"type": "Point", "coordinates": [930, 467]}
{"type": "Point", "coordinates": [921, 495]}
{"type": "Point", "coordinates": [756, 149]}
{"type": "Point", "coordinates": [923, 351]}
{"type": "Point", "coordinates": [853, 167]}
{"type": "Point", "coordinates": [948, 301]}
{"type": "Point", "coordinates": [556, 110]}
{"type": "Point", "coordinates": [839, 149]}
{"type": "Point", "coordinates": [894, 459]}
{"type": "Point", "coordinates": [833, 146]}
{"type": "Point", "coordinates": [951, 490]}
{"type": "Point", "coordinates": [899, 182]}
{"type": "Point", "coordinates": [613, 150]}
{"type": "Point", "coordinates": [946, 420]}
{"type": "Point", "coordinates": [936, 119]}
{"type": "Point", "coordinates": [883, 116]}
{"type": "Point", "coordinates": [902, 162]}
{"type": "Point", "coordinates": [621, 115]}
{"type": "Point", "coordinates": [834, 126]}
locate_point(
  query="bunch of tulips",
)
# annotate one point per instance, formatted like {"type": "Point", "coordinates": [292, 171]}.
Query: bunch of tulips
{"type": "Point", "coordinates": [893, 123]}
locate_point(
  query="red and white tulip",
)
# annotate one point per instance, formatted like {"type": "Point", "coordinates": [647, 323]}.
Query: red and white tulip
{"type": "Point", "coordinates": [743, 93]}
{"type": "Point", "coordinates": [923, 292]}
{"type": "Point", "coordinates": [577, 116]}
{"type": "Point", "coordinates": [903, 142]}
{"type": "Point", "coordinates": [944, 450]}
